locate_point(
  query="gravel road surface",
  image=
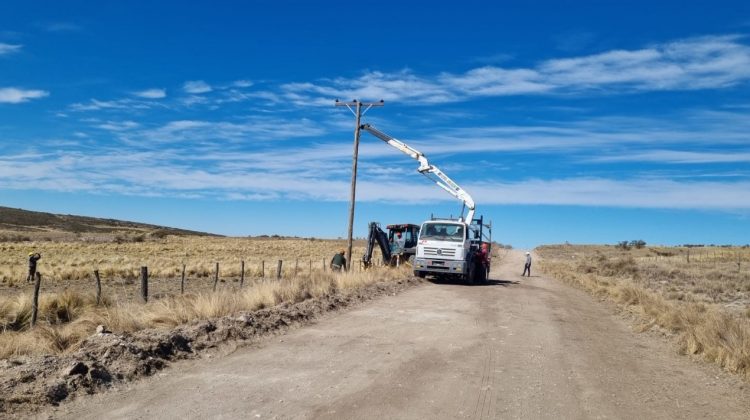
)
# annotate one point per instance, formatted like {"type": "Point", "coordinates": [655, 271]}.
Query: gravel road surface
{"type": "Point", "coordinates": [516, 348]}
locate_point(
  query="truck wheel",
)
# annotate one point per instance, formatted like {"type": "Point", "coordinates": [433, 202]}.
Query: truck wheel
{"type": "Point", "coordinates": [481, 274]}
{"type": "Point", "coordinates": [420, 274]}
{"type": "Point", "coordinates": [471, 275]}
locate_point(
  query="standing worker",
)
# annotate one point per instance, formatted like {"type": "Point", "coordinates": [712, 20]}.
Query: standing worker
{"type": "Point", "coordinates": [33, 258]}
{"type": "Point", "coordinates": [527, 266]}
{"type": "Point", "coordinates": [338, 262]}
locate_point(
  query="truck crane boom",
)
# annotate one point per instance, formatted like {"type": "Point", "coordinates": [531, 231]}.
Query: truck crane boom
{"type": "Point", "coordinates": [428, 170]}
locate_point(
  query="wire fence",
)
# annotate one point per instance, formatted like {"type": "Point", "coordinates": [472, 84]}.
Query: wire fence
{"type": "Point", "coordinates": [182, 279]}
{"type": "Point", "coordinates": [740, 258]}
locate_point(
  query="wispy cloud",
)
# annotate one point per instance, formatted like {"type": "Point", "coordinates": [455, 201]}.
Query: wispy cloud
{"type": "Point", "coordinates": [12, 95]}
{"type": "Point", "coordinates": [196, 87]}
{"type": "Point", "coordinates": [252, 129]}
{"type": "Point", "coordinates": [678, 157]}
{"type": "Point", "coordinates": [151, 93]}
{"type": "Point", "coordinates": [9, 48]}
{"type": "Point", "coordinates": [126, 104]}
{"type": "Point", "coordinates": [118, 125]}
{"type": "Point", "coordinates": [709, 62]}
{"type": "Point", "coordinates": [148, 173]}
{"type": "Point", "coordinates": [59, 26]}
{"type": "Point", "coordinates": [242, 83]}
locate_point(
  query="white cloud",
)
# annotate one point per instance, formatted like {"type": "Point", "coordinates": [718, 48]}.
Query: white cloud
{"type": "Point", "coordinates": [157, 174]}
{"type": "Point", "coordinates": [151, 93]}
{"type": "Point", "coordinates": [196, 87]}
{"type": "Point", "coordinates": [118, 125]}
{"type": "Point", "coordinates": [677, 157]}
{"type": "Point", "coordinates": [13, 95]}
{"type": "Point", "coordinates": [645, 193]}
{"type": "Point", "coordinates": [9, 48]}
{"type": "Point", "coordinates": [709, 62]}
{"type": "Point", "coordinates": [252, 129]}
{"type": "Point", "coordinates": [126, 104]}
{"type": "Point", "coordinates": [242, 83]}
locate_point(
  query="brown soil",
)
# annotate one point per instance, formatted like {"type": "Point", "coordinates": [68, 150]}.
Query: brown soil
{"type": "Point", "coordinates": [107, 359]}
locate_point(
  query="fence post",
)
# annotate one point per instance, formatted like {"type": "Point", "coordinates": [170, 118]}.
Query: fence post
{"type": "Point", "coordinates": [182, 281]}
{"type": "Point", "coordinates": [278, 270]}
{"type": "Point", "coordinates": [738, 263]}
{"type": "Point", "coordinates": [35, 301]}
{"type": "Point", "coordinates": [242, 273]}
{"type": "Point", "coordinates": [98, 288]}
{"type": "Point", "coordinates": [216, 276]}
{"type": "Point", "coordinates": [144, 284]}
{"type": "Point", "coordinates": [688, 255]}
{"type": "Point", "coordinates": [324, 265]}
{"type": "Point", "coordinates": [296, 262]}
{"type": "Point", "coordinates": [262, 268]}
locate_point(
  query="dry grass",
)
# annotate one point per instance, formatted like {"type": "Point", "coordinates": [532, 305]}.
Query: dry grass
{"type": "Point", "coordinates": [68, 311]}
{"type": "Point", "coordinates": [77, 259]}
{"type": "Point", "coordinates": [70, 317]}
{"type": "Point", "coordinates": [704, 302]}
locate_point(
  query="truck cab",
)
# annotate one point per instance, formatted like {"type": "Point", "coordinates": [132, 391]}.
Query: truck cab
{"type": "Point", "coordinates": [453, 248]}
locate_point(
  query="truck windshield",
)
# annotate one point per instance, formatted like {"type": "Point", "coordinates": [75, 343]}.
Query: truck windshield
{"type": "Point", "coordinates": [442, 231]}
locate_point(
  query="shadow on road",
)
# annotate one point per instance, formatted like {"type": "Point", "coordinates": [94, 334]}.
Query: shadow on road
{"type": "Point", "coordinates": [490, 282]}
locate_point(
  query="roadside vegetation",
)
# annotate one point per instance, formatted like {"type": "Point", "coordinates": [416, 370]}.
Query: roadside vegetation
{"type": "Point", "coordinates": [68, 312]}
{"type": "Point", "coordinates": [700, 295]}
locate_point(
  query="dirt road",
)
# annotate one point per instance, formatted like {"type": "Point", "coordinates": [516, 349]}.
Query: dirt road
{"type": "Point", "coordinates": [517, 348]}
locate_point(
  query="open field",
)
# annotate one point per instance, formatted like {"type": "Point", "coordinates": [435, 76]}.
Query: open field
{"type": "Point", "coordinates": [67, 264]}
{"type": "Point", "coordinates": [68, 310]}
{"type": "Point", "coordinates": [699, 295]}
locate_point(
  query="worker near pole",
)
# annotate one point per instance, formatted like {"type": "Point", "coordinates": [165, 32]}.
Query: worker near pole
{"type": "Point", "coordinates": [527, 266]}
{"type": "Point", "coordinates": [338, 262]}
{"type": "Point", "coordinates": [33, 258]}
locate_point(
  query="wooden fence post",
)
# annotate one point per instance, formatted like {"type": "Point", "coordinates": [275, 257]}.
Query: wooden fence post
{"type": "Point", "coordinates": [738, 263]}
{"type": "Point", "coordinates": [242, 273]}
{"type": "Point", "coordinates": [262, 268]}
{"type": "Point", "coordinates": [296, 262]}
{"type": "Point", "coordinates": [216, 276]}
{"type": "Point", "coordinates": [182, 281]}
{"type": "Point", "coordinates": [144, 284]}
{"type": "Point", "coordinates": [98, 288]}
{"type": "Point", "coordinates": [35, 301]}
{"type": "Point", "coordinates": [278, 270]}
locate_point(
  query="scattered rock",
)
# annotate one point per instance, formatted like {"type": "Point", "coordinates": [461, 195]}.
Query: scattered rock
{"type": "Point", "coordinates": [57, 392]}
{"type": "Point", "coordinates": [101, 329]}
{"type": "Point", "coordinates": [78, 368]}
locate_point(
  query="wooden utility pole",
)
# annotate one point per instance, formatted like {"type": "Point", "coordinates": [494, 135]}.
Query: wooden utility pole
{"type": "Point", "coordinates": [358, 113]}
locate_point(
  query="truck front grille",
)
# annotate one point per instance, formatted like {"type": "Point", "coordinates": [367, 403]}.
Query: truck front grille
{"type": "Point", "coordinates": [439, 252]}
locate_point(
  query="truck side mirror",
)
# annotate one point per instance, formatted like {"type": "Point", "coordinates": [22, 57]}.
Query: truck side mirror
{"type": "Point", "coordinates": [477, 235]}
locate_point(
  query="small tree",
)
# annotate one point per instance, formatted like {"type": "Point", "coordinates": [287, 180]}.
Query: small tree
{"type": "Point", "coordinates": [638, 244]}
{"type": "Point", "coordinates": [623, 245]}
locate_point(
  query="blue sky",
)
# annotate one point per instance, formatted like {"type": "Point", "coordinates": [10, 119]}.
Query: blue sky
{"type": "Point", "coordinates": [589, 123]}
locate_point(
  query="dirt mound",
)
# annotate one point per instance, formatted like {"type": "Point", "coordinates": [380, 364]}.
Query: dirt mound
{"type": "Point", "coordinates": [106, 359]}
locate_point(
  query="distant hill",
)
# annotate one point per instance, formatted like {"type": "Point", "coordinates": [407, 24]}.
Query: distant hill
{"type": "Point", "coordinates": [30, 222]}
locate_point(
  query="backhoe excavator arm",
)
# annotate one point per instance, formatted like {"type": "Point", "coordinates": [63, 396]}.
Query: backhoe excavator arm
{"type": "Point", "coordinates": [376, 236]}
{"type": "Point", "coordinates": [428, 170]}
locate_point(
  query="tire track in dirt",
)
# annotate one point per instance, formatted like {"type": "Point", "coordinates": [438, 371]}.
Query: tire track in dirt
{"type": "Point", "coordinates": [517, 348]}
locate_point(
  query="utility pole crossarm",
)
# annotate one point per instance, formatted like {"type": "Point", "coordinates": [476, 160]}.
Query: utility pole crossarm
{"type": "Point", "coordinates": [357, 111]}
